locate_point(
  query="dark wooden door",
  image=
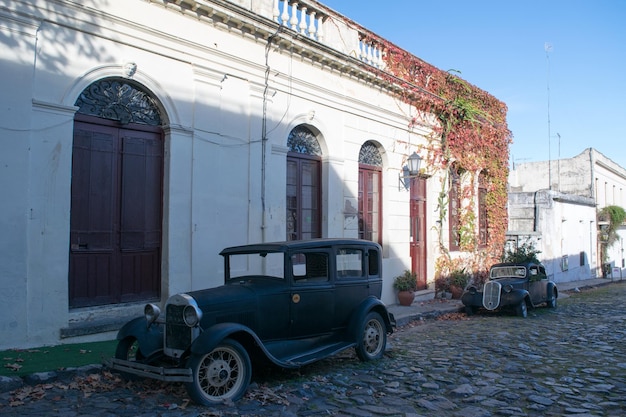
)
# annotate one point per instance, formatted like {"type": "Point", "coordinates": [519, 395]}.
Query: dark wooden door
{"type": "Point", "coordinates": [303, 197]}
{"type": "Point", "coordinates": [418, 231]}
{"type": "Point", "coordinates": [116, 214]}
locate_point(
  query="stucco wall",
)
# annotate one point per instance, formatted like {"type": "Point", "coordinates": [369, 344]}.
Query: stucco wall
{"type": "Point", "coordinates": [589, 175]}
{"type": "Point", "coordinates": [562, 227]}
{"type": "Point", "coordinates": [211, 84]}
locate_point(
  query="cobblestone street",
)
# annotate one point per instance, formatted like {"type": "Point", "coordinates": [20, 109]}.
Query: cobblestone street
{"type": "Point", "coordinates": [565, 362]}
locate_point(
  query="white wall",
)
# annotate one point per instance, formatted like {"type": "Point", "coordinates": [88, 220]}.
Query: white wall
{"type": "Point", "coordinates": [564, 231]}
{"type": "Point", "coordinates": [211, 84]}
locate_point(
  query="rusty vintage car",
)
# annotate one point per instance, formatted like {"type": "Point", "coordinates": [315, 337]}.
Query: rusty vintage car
{"type": "Point", "coordinates": [289, 303]}
{"type": "Point", "coordinates": [512, 286]}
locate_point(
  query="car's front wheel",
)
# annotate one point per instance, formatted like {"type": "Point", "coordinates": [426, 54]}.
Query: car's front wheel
{"type": "Point", "coordinates": [522, 309]}
{"type": "Point", "coordinates": [372, 338]}
{"type": "Point", "coordinates": [471, 310]}
{"type": "Point", "coordinates": [220, 375]}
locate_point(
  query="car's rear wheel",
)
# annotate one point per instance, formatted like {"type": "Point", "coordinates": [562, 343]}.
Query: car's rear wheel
{"type": "Point", "coordinates": [552, 300]}
{"type": "Point", "coordinates": [372, 339]}
{"type": "Point", "coordinates": [522, 309]}
{"type": "Point", "coordinates": [220, 375]}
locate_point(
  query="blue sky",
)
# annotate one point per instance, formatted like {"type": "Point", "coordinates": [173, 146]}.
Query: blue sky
{"type": "Point", "coordinates": [499, 46]}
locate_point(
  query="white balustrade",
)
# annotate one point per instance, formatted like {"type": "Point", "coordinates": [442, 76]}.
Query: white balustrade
{"type": "Point", "coordinates": [302, 18]}
{"type": "Point", "coordinates": [372, 54]}
{"type": "Point", "coordinates": [307, 22]}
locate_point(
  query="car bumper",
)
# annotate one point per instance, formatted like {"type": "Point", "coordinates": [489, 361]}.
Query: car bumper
{"type": "Point", "coordinates": [149, 371]}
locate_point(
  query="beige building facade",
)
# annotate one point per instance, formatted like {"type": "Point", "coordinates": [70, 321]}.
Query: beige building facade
{"type": "Point", "coordinates": [555, 203]}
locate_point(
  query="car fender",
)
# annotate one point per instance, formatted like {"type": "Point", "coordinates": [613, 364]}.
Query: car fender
{"type": "Point", "coordinates": [366, 306]}
{"type": "Point", "coordinates": [150, 338]}
{"type": "Point", "coordinates": [473, 300]}
{"type": "Point", "coordinates": [212, 336]}
{"type": "Point", "coordinates": [552, 287]}
{"type": "Point", "coordinates": [515, 297]}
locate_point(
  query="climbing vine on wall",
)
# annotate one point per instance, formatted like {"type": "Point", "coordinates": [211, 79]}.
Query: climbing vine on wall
{"type": "Point", "coordinates": [473, 134]}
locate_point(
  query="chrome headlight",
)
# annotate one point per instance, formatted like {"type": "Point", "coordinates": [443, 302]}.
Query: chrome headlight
{"type": "Point", "coordinates": [192, 315]}
{"type": "Point", "coordinates": [151, 312]}
{"type": "Point", "coordinates": [507, 288]}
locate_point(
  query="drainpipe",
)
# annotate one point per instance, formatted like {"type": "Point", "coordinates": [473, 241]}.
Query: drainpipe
{"type": "Point", "coordinates": [264, 138]}
{"type": "Point", "coordinates": [536, 217]}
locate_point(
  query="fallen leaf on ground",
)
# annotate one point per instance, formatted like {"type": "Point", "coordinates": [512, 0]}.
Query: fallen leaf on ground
{"type": "Point", "coordinates": [13, 366]}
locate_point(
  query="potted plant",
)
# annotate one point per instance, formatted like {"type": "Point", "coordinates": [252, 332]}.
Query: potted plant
{"type": "Point", "coordinates": [406, 284]}
{"type": "Point", "coordinates": [442, 286]}
{"type": "Point", "coordinates": [458, 281]}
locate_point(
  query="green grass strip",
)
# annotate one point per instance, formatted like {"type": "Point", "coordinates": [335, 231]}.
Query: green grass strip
{"type": "Point", "coordinates": [20, 362]}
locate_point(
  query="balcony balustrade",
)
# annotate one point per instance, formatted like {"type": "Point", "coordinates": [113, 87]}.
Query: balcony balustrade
{"type": "Point", "coordinates": [308, 18]}
{"type": "Point", "coordinates": [311, 18]}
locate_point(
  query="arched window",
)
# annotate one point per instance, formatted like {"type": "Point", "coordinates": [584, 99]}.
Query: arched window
{"type": "Point", "coordinates": [454, 207]}
{"type": "Point", "coordinates": [483, 231]}
{"type": "Point", "coordinates": [370, 193]}
{"type": "Point", "coordinates": [304, 210]}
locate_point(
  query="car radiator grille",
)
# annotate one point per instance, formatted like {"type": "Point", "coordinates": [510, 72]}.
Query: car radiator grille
{"type": "Point", "coordinates": [177, 334]}
{"type": "Point", "coordinates": [491, 295]}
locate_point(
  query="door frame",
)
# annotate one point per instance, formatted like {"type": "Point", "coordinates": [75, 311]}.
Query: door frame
{"type": "Point", "coordinates": [418, 244]}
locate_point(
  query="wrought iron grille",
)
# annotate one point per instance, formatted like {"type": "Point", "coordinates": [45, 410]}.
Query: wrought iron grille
{"type": "Point", "coordinates": [302, 140]}
{"type": "Point", "coordinates": [370, 155]}
{"type": "Point", "coordinates": [117, 99]}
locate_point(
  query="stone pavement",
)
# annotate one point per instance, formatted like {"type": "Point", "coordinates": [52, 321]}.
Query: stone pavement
{"type": "Point", "coordinates": [426, 306]}
{"type": "Point", "coordinates": [569, 361]}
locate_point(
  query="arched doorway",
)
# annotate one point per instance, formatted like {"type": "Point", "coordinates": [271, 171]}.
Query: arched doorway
{"type": "Point", "coordinates": [117, 196]}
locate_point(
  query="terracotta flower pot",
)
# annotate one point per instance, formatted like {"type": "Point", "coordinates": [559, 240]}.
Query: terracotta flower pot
{"type": "Point", "coordinates": [456, 291]}
{"type": "Point", "coordinates": [406, 297]}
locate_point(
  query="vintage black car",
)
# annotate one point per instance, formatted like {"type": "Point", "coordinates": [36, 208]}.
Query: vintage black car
{"type": "Point", "coordinates": [292, 303]}
{"type": "Point", "coordinates": [515, 286]}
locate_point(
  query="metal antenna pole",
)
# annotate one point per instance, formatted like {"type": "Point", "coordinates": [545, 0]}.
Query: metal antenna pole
{"type": "Point", "coordinates": [548, 48]}
{"type": "Point", "coordinates": [558, 164]}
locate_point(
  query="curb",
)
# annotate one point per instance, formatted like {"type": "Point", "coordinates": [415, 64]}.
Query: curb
{"type": "Point", "coordinates": [403, 321]}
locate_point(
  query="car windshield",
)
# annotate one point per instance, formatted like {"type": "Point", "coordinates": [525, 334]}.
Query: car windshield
{"type": "Point", "coordinates": [270, 264]}
{"type": "Point", "coordinates": [507, 272]}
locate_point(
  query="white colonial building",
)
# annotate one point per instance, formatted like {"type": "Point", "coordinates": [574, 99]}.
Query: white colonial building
{"type": "Point", "coordinates": [140, 137]}
{"type": "Point", "coordinates": [555, 203]}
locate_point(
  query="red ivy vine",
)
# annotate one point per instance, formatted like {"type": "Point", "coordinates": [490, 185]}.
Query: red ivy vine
{"type": "Point", "coordinates": [473, 134]}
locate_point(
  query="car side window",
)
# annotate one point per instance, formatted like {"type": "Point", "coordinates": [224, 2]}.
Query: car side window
{"type": "Point", "coordinates": [310, 267]}
{"type": "Point", "coordinates": [536, 274]}
{"type": "Point", "coordinates": [372, 258]}
{"type": "Point", "coordinates": [349, 263]}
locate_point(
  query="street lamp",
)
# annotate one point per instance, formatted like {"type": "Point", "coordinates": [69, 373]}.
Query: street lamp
{"type": "Point", "coordinates": [410, 170]}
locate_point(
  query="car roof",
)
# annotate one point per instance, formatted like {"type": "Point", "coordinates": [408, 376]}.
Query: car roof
{"type": "Point", "coordinates": [298, 245]}
{"type": "Point", "coordinates": [525, 264]}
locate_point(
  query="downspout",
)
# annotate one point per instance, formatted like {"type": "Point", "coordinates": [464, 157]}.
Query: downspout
{"type": "Point", "coordinates": [536, 216]}
{"type": "Point", "coordinates": [264, 134]}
